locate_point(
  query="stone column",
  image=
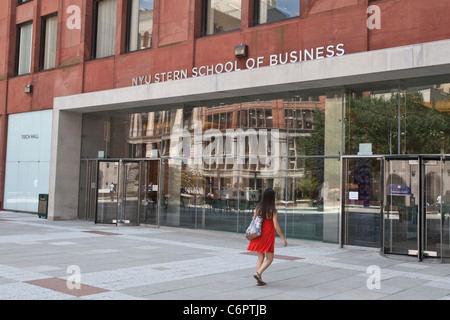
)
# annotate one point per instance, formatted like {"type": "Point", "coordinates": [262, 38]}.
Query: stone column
{"type": "Point", "coordinates": [65, 165]}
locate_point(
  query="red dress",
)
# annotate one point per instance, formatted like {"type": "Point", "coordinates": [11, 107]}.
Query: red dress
{"type": "Point", "coordinates": [265, 242]}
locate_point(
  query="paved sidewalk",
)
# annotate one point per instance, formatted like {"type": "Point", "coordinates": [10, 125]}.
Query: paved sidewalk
{"type": "Point", "coordinates": [44, 260]}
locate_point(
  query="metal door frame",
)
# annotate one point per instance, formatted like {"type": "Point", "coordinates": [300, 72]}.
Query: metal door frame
{"type": "Point", "coordinates": [122, 193]}
{"type": "Point", "coordinates": [146, 163]}
{"type": "Point", "coordinates": [99, 161]}
{"type": "Point", "coordinates": [89, 197]}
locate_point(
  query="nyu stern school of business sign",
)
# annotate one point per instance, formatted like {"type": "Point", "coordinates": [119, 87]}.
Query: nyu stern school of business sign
{"type": "Point", "coordinates": [295, 56]}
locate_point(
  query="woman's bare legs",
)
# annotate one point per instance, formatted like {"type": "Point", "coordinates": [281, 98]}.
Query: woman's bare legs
{"type": "Point", "coordinates": [266, 263]}
{"type": "Point", "coordinates": [263, 262]}
{"type": "Point", "coordinates": [259, 262]}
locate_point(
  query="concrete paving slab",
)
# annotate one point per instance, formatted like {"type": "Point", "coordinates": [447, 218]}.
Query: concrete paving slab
{"type": "Point", "coordinates": [148, 263]}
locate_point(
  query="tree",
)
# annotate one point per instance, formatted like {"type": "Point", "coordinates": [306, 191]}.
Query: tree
{"type": "Point", "coordinates": [374, 119]}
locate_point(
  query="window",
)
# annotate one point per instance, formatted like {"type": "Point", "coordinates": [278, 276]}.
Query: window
{"type": "Point", "coordinates": [221, 16]}
{"type": "Point", "coordinates": [267, 11]}
{"type": "Point", "coordinates": [23, 1]}
{"type": "Point", "coordinates": [48, 44]}
{"type": "Point", "coordinates": [24, 44]}
{"type": "Point", "coordinates": [140, 24]}
{"type": "Point", "coordinates": [105, 20]}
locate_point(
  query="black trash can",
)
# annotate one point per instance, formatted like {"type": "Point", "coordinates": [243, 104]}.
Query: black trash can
{"type": "Point", "coordinates": [43, 206]}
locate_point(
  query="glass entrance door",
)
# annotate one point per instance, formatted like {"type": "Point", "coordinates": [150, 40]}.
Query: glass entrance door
{"type": "Point", "coordinates": [437, 208]}
{"type": "Point", "coordinates": [127, 192]}
{"type": "Point", "coordinates": [444, 205]}
{"type": "Point", "coordinates": [414, 214]}
{"type": "Point", "coordinates": [362, 211]}
{"type": "Point", "coordinates": [107, 191]}
{"type": "Point", "coordinates": [401, 209]}
{"type": "Point", "coordinates": [150, 188]}
{"type": "Point", "coordinates": [117, 192]}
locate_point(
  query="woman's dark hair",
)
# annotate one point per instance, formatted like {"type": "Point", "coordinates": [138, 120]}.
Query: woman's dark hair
{"type": "Point", "coordinates": [266, 206]}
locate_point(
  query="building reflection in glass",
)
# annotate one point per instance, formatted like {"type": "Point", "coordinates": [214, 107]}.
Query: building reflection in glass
{"type": "Point", "coordinates": [217, 158]}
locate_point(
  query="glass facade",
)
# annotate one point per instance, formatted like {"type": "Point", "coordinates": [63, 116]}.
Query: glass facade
{"type": "Point", "coordinates": [215, 158]}
{"type": "Point", "coordinates": [411, 121]}
{"type": "Point", "coordinates": [408, 123]}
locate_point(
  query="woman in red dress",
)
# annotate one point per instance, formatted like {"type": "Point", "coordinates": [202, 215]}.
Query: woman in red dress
{"type": "Point", "coordinates": [265, 243]}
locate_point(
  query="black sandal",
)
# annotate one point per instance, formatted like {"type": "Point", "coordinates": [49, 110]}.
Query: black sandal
{"type": "Point", "coordinates": [258, 278]}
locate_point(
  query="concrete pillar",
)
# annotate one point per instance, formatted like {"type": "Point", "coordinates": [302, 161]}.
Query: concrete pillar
{"type": "Point", "coordinates": [65, 165]}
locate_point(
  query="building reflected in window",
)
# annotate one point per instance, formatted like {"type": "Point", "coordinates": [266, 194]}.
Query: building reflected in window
{"type": "Point", "coordinates": [211, 161]}
{"type": "Point", "coordinates": [140, 22]}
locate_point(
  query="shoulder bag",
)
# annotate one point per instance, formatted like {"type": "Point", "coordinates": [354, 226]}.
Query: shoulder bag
{"type": "Point", "coordinates": [254, 229]}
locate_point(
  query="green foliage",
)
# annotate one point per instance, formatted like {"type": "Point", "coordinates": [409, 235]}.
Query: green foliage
{"type": "Point", "coordinates": [374, 119]}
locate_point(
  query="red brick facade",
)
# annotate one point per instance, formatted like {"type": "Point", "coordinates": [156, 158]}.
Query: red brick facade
{"type": "Point", "coordinates": [178, 44]}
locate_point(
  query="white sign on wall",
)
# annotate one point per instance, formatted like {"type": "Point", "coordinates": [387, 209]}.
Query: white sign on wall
{"type": "Point", "coordinates": [27, 159]}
